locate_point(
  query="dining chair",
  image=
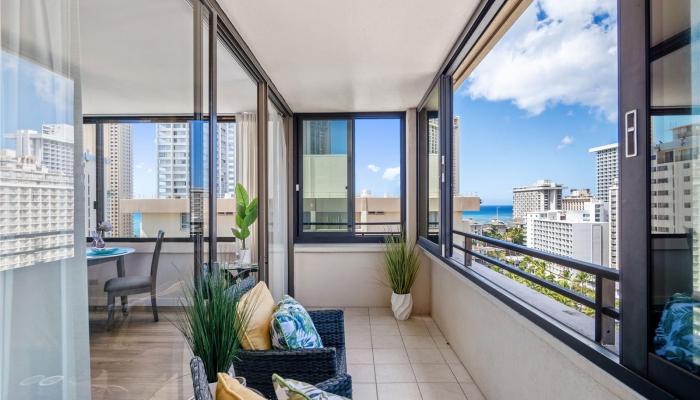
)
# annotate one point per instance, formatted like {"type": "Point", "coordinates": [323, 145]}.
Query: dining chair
{"type": "Point", "coordinates": [128, 285]}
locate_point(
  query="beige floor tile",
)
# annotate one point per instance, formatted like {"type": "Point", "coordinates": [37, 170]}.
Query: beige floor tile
{"type": "Point", "coordinates": [358, 341]}
{"type": "Point", "coordinates": [398, 391]}
{"type": "Point", "coordinates": [441, 342]}
{"type": "Point", "coordinates": [394, 373]}
{"type": "Point", "coordinates": [385, 330]}
{"type": "Point", "coordinates": [380, 311]}
{"type": "Point", "coordinates": [382, 320]}
{"type": "Point", "coordinates": [364, 391]}
{"type": "Point", "coordinates": [414, 330]}
{"type": "Point", "coordinates": [428, 356]}
{"type": "Point", "coordinates": [419, 342]}
{"type": "Point", "coordinates": [361, 373]}
{"type": "Point", "coordinates": [461, 373]}
{"type": "Point", "coordinates": [357, 320]}
{"type": "Point", "coordinates": [387, 342]}
{"type": "Point", "coordinates": [450, 356]}
{"type": "Point", "coordinates": [472, 391]}
{"type": "Point", "coordinates": [360, 356]}
{"type": "Point", "coordinates": [390, 356]}
{"type": "Point", "coordinates": [433, 373]}
{"type": "Point", "coordinates": [433, 328]}
{"type": "Point", "coordinates": [411, 322]}
{"type": "Point", "coordinates": [441, 391]}
{"type": "Point", "coordinates": [356, 311]}
{"type": "Point", "coordinates": [354, 330]}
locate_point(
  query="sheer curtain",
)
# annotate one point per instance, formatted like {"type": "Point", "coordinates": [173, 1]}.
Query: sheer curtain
{"type": "Point", "coordinates": [247, 167]}
{"type": "Point", "coordinates": [44, 350]}
{"type": "Point", "coordinates": [277, 202]}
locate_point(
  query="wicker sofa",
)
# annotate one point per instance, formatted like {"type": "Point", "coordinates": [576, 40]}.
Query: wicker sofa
{"type": "Point", "coordinates": [325, 368]}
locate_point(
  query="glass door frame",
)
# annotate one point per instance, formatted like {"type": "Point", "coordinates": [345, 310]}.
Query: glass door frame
{"type": "Point", "coordinates": [635, 204]}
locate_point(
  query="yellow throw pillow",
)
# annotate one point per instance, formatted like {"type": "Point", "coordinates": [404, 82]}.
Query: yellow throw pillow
{"type": "Point", "coordinates": [228, 388]}
{"type": "Point", "coordinates": [259, 305]}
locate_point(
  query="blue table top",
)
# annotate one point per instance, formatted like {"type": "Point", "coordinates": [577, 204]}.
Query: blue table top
{"type": "Point", "coordinates": [107, 252]}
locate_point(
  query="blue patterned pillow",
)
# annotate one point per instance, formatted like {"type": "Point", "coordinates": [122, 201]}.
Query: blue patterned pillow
{"type": "Point", "coordinates": [292, 328]}
{"type": "Point", "coordinates": [290, 389]}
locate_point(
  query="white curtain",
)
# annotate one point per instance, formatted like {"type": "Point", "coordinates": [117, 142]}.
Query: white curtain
{"type": "Point", "coordinates": [277, 202]}
{"type": "Point", "coordinates": [44, 350]}
{"type": "Point", "coordinates": [247, 167]}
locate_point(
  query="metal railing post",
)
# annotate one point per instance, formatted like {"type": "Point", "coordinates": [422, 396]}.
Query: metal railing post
{"type": "Point", "coordinates": [468, 244]}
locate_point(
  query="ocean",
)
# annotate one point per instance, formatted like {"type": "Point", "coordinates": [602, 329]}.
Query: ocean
{"type": "Point", "coordinates": [489, 212]}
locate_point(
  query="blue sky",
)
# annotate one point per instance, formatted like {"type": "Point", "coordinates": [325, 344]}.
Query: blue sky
{"type": "Point", "coordinates": [145, 160]}
{"type": "Point", "coordinates": [378, 157]}
{"type": "Point", "coordinates": [541, 98]}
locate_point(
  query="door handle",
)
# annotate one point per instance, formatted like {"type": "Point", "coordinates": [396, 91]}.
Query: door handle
{"type": "Point", "coordinates": [631, 133]}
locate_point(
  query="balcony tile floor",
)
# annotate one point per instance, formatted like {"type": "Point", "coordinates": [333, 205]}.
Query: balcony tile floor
{"type": "Point", "coordinates": [388, 359]}
{"type": "Point", "coordinates": [402, 360]}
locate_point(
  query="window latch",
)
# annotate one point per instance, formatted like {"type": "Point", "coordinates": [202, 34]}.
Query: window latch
{"type": "Point", "coordinates": [297, 187]}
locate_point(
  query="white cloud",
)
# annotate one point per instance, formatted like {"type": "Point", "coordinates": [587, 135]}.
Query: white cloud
{"type": "Point", "coordinates": [150, 170]}
{"type": "Point", "coordinates": [139, 166]}
{"type": "Point", "coordinates": [391, 173]}
{"type": "Point", "coordinates": [563, 59]}
{"type": "Point", "coordinates": [565, 141]}
{"type": "Point", "coordinates": [373, 168]}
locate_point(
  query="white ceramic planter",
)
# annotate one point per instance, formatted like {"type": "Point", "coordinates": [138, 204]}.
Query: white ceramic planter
{"type": "Point", "coordinates": [212, 389]}
{"type": "Point", "coordinates": [244, 256]}
{"type": "Point", "coordinates": [401, 305]}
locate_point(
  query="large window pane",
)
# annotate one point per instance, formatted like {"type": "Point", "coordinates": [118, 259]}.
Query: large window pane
{"type": "Point", "coordinates": [535, 162]}
{"type": "Point", "coordinates": [675, 174]}
{"type": "Point", "coordinates": [431, 170]}
{"type": "Point", "coordinates": [325, 175]}
{"type": "Point", "coordinates": [377, 154]}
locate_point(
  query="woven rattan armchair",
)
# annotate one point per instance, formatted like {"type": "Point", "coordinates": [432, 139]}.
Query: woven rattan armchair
{"type": "Point", "coordinates": [324, 368]}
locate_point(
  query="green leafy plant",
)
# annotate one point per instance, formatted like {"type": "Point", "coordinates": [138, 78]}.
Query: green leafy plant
{"type": "Point", "coordinates": [246, 214]}
{"type": "Point", "coordinates": [401, 263]}
{"type": "Point", "coordinates": [212, 323]}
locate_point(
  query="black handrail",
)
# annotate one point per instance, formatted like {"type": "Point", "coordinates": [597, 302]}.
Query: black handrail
{"type": "Point", "coordinates": [597, 270]}
{"type": "Point", "coordinates": [604, 277]}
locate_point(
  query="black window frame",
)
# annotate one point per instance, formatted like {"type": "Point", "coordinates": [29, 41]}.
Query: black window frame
{"type": "Point", "coordinates": [350, 236]}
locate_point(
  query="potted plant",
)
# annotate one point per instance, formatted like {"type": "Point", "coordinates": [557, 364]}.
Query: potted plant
{"type": "Point", "coordinates": [213, 324]}
{"type": "Point", "coordinates": [246, 214]}
{"type": "Point", "coordinates": [401, 265]}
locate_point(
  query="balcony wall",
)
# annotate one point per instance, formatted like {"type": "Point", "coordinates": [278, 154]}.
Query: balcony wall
{"type": "Point", "coordinates": [508, 356]}
{"type": "Point", "coordinates": [349, 275]}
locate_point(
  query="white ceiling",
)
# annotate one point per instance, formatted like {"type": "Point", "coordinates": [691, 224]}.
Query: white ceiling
{"type": "Point", "coordinates": [359, 55]}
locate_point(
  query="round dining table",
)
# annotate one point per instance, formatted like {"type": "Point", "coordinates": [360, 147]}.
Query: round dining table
{"type": "Point", "coordinates": [117, 255]}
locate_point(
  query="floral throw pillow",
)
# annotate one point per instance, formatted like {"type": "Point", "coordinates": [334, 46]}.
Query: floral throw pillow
{"type": "Point", "coordinates": [289, 389]}
{"type": "Point", "coordinates": [292, 328]}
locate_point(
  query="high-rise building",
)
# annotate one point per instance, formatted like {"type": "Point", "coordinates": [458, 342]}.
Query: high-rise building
{"type": "Point", "coordinates": [575, 234]}
{"type": "Point", "coordinates": [52, 147]}
{"type": "Point", "coordinates": [119, 176]}
{"type": "Point", "coordinates": [672, 166]}
{"type": "Point", "coordinates": [36, 219]}
{"type": "Point", "coordinates": [227, 160]}
{"type": "Point", "coordinates": [173, 160]}
{"type": "Point", "coordinates": [606, 169]}
{"type": "Point", "coordinates": [543, 195]}
{"type": "Point", "coordinates": [317, 137]}
{"type": "Point", "coordinates": [576, 200]}
{"type": "Point", "coordinates": [613, 223]}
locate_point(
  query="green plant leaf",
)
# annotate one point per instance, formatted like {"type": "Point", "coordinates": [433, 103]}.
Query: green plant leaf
{"type": "Point", "coordinates": [241, 195]}
{"type": "Point", "coordinates": [251, 213]}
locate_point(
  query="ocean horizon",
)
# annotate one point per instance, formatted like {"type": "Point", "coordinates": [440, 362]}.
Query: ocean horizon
{"type": "Point", "coordinates": [487, 212]}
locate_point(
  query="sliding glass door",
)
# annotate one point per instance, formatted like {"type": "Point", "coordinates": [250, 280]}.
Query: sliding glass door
{"type": "Point", "coordinates": [660, 165]}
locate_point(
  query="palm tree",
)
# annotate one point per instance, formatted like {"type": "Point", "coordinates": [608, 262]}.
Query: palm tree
{"type": "Point", "coordinates": [516, 235]}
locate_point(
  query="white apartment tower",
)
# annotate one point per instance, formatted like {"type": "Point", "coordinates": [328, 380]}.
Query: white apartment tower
{"type": "Point", "coordinates": [606, 169]}
{"type": "Point", "coordinates": [575, 234]}
{"type": "Point", "coordinates": [543, 195]}
{"type": "Point", "coordinates": [173, 160]}
{"type": "Point", "coordinates": [174, 155]}
{"type": "Point", "coordinates": [52, 147]}
{"type": "Point", "coordinates": [119, 176]}
{"type": "Point", "coordinates": [613, 212]}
